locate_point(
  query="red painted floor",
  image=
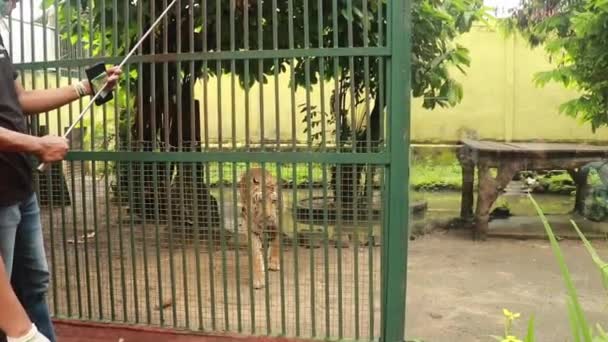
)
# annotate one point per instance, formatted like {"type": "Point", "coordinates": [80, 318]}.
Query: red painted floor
{"type": "Point", "coordinates": [72, 331]}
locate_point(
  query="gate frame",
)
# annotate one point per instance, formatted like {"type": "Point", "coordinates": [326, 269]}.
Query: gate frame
{"type": "Point", "coordinates": [396, 159]}
{"type": "Point", "coordinates": [396, 232]}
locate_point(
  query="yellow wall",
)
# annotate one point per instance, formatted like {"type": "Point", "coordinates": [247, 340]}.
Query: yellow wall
{"type": "Point", "coordinates": [500, 101]}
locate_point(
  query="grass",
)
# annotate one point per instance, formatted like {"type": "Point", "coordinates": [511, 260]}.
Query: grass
{"type": "Point", "coordinates": [429, 172]}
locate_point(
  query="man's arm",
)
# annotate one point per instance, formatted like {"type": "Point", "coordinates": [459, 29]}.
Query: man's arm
{"type": "Point", "coordinates": [11, 141]}
{"type": "Point", "coordinates": [13, 318]}
{"type": "Point", "coordinates": [48, 148]}
{"type": "Point", "coordinates": [14, 321]}
{"type": "Point", "coordinates": [44, 100]}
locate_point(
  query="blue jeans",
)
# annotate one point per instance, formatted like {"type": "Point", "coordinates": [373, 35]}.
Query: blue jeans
{"type": "Point", "coordinates": [22, 248]}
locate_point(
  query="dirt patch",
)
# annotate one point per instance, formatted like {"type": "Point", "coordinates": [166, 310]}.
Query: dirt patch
{"type": "Point", "coordinates": [128, 270]}
{"type": "Point", "coordinates": [457, 288]}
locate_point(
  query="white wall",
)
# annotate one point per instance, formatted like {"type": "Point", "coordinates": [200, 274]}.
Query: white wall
{"type": "Point", "coordinates": [32, 36]}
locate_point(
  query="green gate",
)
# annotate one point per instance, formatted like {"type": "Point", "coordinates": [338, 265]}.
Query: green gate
{"type": "Point", "coordinates": [143, 220]}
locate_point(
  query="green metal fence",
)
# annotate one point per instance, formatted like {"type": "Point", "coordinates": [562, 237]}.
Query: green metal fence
{"type": "Point", "coordinates": [143, 220]}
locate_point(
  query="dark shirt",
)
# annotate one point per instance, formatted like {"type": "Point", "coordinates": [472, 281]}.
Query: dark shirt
{"type": "Point", "coordinates": [16, 169]}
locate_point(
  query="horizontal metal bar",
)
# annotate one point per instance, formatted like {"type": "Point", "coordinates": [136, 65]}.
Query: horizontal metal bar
{"type": "Point", "coordinates": [213, 56]}
{"type": "Point", "coordinates": [254, 157]}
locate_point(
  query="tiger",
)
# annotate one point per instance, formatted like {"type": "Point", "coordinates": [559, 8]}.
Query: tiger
{"type": "Point", "coordinates": [259, 212]}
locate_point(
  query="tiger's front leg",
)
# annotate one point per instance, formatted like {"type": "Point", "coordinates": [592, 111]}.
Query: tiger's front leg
{"type": "Point", "coordinates": [258, 262]}
{"type": "Point", "coordinates": [274, 262]}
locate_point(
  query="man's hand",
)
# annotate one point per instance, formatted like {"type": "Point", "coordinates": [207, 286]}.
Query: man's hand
{"type": "Point", "coordinates": [33, 335]}
{"type": "Point", "coordinates": [113, 76]}
{"type": "Point", "coordinates": [52, 148]}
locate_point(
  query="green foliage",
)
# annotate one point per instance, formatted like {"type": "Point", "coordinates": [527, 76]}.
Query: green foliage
{"type": "Point", "coordinates": [573, 33]}
{"type": "Point", "coordinates": [436, 24]}
{"type": "Point", "coordinates": [236, 25]}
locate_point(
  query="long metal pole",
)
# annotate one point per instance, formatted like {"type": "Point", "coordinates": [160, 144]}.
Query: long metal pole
{"type": "Point", "coordinates": [43, 166]}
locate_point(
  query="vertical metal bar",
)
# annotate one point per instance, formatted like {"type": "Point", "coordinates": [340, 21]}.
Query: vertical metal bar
{"type": "Point", "coordinates": [381, 70]}
{"type": "Point", "coordinates": [395, 237]}
{"type": "Point", "coordinates": [10, 30]}
{"type": "Point", "coordinates": [34, 119]}
{"type": "Point", "coordinates": [123, 282]}
{"type": "Point", "coordinates": [205, 78]}
{"type": "Point", "coordinates": [326, 255]}
{"type": "Point", "coordinates": [210, 252]}
{"type": "Point", "coordinates": [250, 252]}
{"type": "Point", "coordinates": [246, 67]}
{"type": "Point", "coordinates": [208, 165]}
{"type": "Point", "coordinates": [153, 127]}
{"type": "Point", "coordinates": [370, 252]}
{"type": "Point", "coordinates": [197, 236]}
{"type": "Point", "coordinates": [292, 62]}
{"type": "Point", "coordinates": [260, 22]}
{"type": "Point", "coordinates": [354, 95]}
{"type": "Point", "coordinates": [281, 249]}
{"type": "Point", "coordinates": [155, 169]}
{"type": "Point", "coordinates": [218, 73]}
{"type": "Point", "coordinates": [236, 215]}
{"type": "Point", "coordinates": [83, 186]}
{"type": "Point", "coordinates": [49, 179]}
{"type": "Point", "coordinates": [306, 16]}
{"type": "Point", "coordinates": [184, 256]}
{"type": "Point", "coordinates": [168, 165]}
{"type": "Point", "coordinates": [275, 46]}
{"type": "Point", "coordinates": [320, 23]}
{"type": "Point", "coordinates": [354, 180]}
{"type": "Point", "coordinates": [336, 76]}
{"type": "Point", "coordinates": [352, 80]}
{"type": "Point", "coordinates": [296, 238]}
{"type": "Point", "coordinates": [265, 253]}
{"type": "Point", "coordinates": [62, 195]}
{"type": "Point", "coordinates": [196, 181]}
{"type": "Point", "coordinates": [232, 23]}
{"type": "Point", "coordinates": [369, 175]}
{"type": "Point", "coordinates": [72, 183]}
{"type": "Point", "coordinates": [366, 70]}
{"type": "Point", "coordinates": [232, 75]}
{"type": "Point", "coordinates": [337, 96]}
{"type": "Point", "coordinates": [106, 177]}
{"type": "Point", "coordinates": [142, 166]}
{"type": "Point", "coordinates": [290, 13]}
{"type": "Point", "coordinates": [181, 170]}
{"type": "Point", "coordinates": [321, 77]}
{"type": "Point", "coordinates": [159, 269]}
{"type": "Point", "coordinates": [313, 281]}
{"type": "Point", "coordinates": [223, 247]}
{"type": "Point", "coordinates": [218, 67]}
{"type": "Point", "coordinates": [127, 40]}
{"type": "Point", "coordinates": [94, 182]}
{"type": "Point", "coordinates": [21, 32]}
{"type": "Point", "coordinates": [195, 146]}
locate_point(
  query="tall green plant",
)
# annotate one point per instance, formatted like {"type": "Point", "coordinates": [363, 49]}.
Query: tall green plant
{"type": "Point", "coordinates": [581, 330]}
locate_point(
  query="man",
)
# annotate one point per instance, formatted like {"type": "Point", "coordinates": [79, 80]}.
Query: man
{"type": "Point", "coordinates": [21, 241]}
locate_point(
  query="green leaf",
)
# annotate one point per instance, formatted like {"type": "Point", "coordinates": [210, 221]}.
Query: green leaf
{"type": "Point", "coordinates": [574, 322]}
{"type": "Point", "coordinates": [577, 315]}
{"type": "Point", "coordinates": [602, 4]}
{"type": "Point", "coordinates": [601, 264]}
{"type": "Point", "coordinates": [530, 334]}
